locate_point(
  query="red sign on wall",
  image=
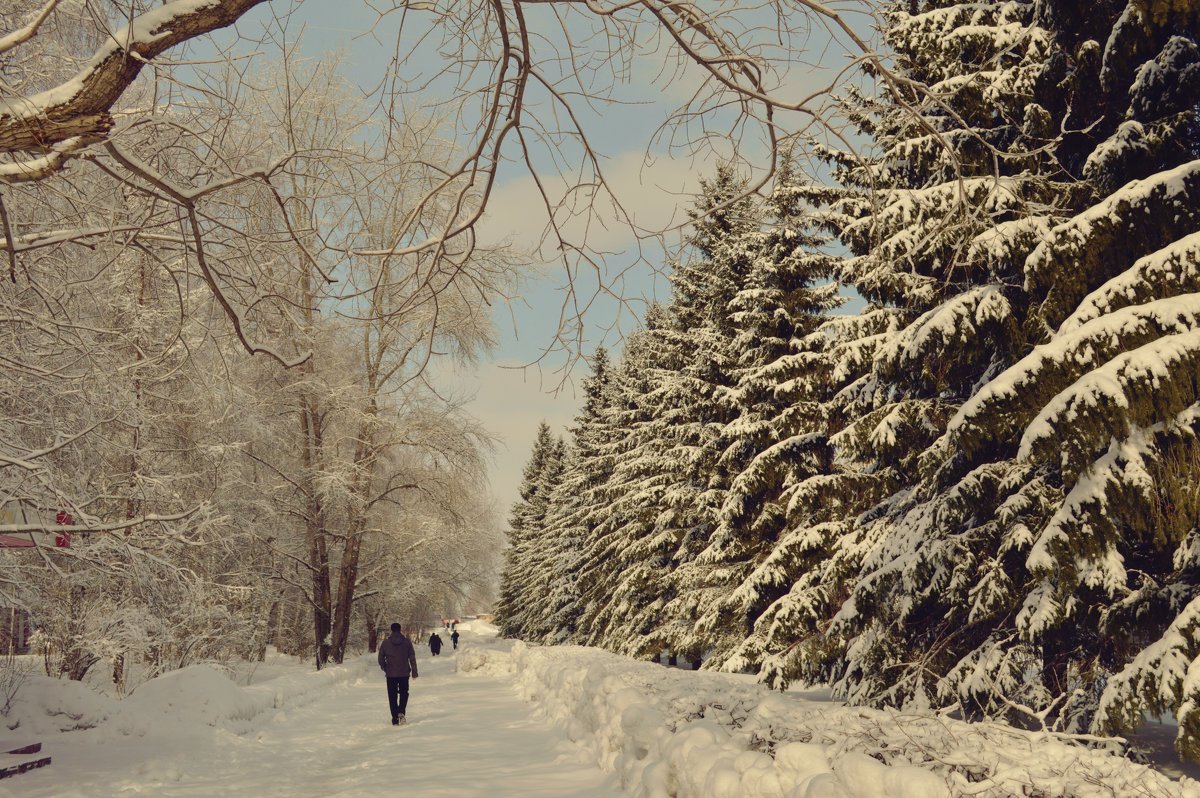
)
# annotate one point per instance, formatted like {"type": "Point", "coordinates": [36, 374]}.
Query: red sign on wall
{"type": "Point", "coordinates": [62, 540]}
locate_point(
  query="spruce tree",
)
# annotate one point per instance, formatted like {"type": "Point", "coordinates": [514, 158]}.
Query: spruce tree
{"type": "Point", "coordinates": [776, 435]}
{"type": "Point", "coordinates": [573, 510]}
{"type": "Point", "coordinates": [524, 522]}
{"type": "Point", "coordinates": [958, 189]}
{"type": "Point", "coordinates": [624, 570]}
{"type": "Point", "coordinates": [1099, 509]}
{"type": "Point", "coordinates": [696, 399]}
{"type": "Point", "coordinates": [1033, 556]}
{"type": "Point", "coordinates": [542, 546]}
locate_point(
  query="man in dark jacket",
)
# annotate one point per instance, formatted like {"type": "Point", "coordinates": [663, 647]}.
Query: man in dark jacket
{"type": "Point", "coordinates": [435, 644]}
{"type": "Point", "coordinates": [397, 659]}
{"type": "Point", "coordinates": [454, 638]}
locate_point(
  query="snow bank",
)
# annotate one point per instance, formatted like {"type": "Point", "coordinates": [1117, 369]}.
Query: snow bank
{"type": "Point", "coordinates": [44, 706]}
{"type": "Point", "coordinates": [197, 695]}
{"type": "Point", "coordinates": [678, 733]}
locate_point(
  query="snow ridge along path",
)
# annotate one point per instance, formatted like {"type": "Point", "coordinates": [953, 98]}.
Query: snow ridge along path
{"type": "Point", "coordinates": [465, 737]}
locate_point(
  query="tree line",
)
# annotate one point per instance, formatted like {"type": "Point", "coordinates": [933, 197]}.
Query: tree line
{"type": "Point", "coordinates": [977, 493]}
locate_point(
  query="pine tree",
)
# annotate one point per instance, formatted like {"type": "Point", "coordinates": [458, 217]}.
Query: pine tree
{"type": "Point", "coordinates": [542, 545]}
{"type": "Point", "coordinates": [577, 504]}
{"type": "Point", "coordinates": [696, 401]}
{"type": "Point", "coordinates": [665, 489]}
{"type": "Point", "coordinates": [776, 437]}
{"type": "Point", "coordinates": [1099, 507]}
{"type": "Point", "coordinates": [582, 505]}
{"type": "Point", "coordinates": [960, 188]}
{"type": "Point", "coordinates": [1033, 555]}
{"type": "Point", "coordinates": [524, 522]}
{"type": "Point", "coordinates": [823, 543]}
{"type": "Point", "coordinates": [621, 567]}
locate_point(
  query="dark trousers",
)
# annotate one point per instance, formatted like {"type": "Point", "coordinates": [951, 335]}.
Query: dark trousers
{"type": "Point", "coordinates": [397, 695]}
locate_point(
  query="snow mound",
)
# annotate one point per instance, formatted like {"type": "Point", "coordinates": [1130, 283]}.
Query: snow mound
{"type": "Point", "coordinates": [479, 628]}
{"type": "Point", "coordinates": [199, 692]}
{"type": "Point", "coordinates": [46, 706]}
{"type": "Point", "coordinates": [484, 661]}
{"type": "Point", "coordinates": [191, 698]}
{"type": "Point", "coordinates": [677, 734]}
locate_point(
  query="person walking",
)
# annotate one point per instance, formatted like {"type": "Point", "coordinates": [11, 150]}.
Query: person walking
{"type": "Point", "coordinates": [435, 644]}
{"type": "Point", "coordinates": [397, 659]}
{"type": "Point", "coordinates": [454, 638]}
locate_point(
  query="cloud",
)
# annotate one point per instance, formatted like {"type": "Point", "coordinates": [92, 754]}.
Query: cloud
{"type": "Point", "coordinates": [649, 194]}
{"type": "Point", "coordinates": [510, 401]}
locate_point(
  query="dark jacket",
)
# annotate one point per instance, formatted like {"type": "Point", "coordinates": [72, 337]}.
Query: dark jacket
{"type": "Point", "coordinates": [397, 657]}
{"type": "Point", "coordinates": [435, 643]}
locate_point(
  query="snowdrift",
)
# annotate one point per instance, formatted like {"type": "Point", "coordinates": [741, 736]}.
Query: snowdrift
{"type": "Point", "coordinates": [681, 734]}
{"type": "Point", "coordinates": [197, 695]}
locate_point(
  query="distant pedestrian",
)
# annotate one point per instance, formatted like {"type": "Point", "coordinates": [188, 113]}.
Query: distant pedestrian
{"type": "Point", "coordinates": [435, 644]}
{"type": "Point", "coordinates": [454, 638]}
{"type": "Point", "coordinates": [397, 660]}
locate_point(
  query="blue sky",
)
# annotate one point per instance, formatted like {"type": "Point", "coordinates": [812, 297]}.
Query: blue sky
{"type": "Point", "coordinates": [511, 396]}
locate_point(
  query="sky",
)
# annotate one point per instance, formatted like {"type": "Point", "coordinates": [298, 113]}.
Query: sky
{"type": "Point", "coordinates": [529, 377]}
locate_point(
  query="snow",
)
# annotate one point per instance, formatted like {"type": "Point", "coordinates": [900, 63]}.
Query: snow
{"type": "Point", "coordinates": [501, 719]}
{"type": "Point", "coordinates": [1152, 366]}
{"type": "Point", "coordinates": [1088, 355]}
{"type": "Point", "coordinates": [1169, 271]}
{"type": "Point", "coordinates": [1164, 189]}
{"type": "Point", "coordinates": [297, 732]}
{"type": "Point", "coordinates": [668, 732]}
{"type": "Point", "coordinates": [145, 29]}
{"type": "Point", "coordinates": [960, 318]}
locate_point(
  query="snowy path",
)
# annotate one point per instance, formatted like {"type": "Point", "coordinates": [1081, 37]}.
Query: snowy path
{"type": "Point", "coordinates": [467, 736]}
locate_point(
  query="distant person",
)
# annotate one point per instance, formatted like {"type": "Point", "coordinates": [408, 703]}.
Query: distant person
{"type": "Point", "coordinates": [454, 638]}
{"type": "Point", "coordinates": [435, 644]}
{"type": "Point", "coordinates": [398, 660]}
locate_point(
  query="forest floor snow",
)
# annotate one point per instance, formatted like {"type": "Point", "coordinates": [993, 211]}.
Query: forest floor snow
{"type": "Point", "coordinates": [496, 719]}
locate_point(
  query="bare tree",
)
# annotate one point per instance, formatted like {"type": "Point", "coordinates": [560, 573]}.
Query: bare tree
{"type": "Point", "coordinates": [521, 80]}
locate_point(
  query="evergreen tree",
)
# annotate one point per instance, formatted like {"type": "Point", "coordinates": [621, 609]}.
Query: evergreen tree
{"type": "Point", "coordinates": [776, 436]}
{"type": "Point", "coordinates": [960, 187]}
{"type": "Point", "coordinates": [578, 505]}
{"type": "Point", "coordinates": [631, 553]}
{"type": "Point", "coordinates": [541, 545]}
{"type": "Point", "coordinates": [695, 399]}
{"type": "Point", "coordinates": [524, 525]}
{"type": "Point", "coordinates": [823, 542]}
{"type": "Point", "coordinates": [644, 586]}
{"type": "Point", "coordinates": [1098, 422]}
{"type": "Point", "coordinates": [1031, 556]}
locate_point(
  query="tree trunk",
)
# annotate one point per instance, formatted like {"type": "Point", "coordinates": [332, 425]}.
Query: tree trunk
{"type": "Point", "coordinates": [118, 674]}
{"type": "Point", "coordinates": [318, 551]}
{"type": "Point", "coordinates": [347, 578]}
{"type": "Point", "coordinates": [364, 461]}
{"type": "Point", "coordinates": [75, 661]}
{"type": "Point", "coordinates": [372, 636]}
